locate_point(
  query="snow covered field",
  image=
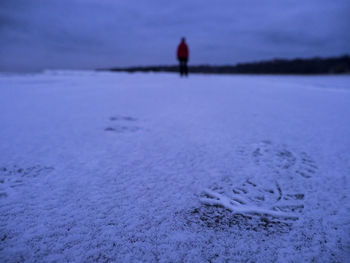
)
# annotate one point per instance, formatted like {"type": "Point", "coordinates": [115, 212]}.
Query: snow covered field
{"type": "Point", "coordinates": [107, 167]}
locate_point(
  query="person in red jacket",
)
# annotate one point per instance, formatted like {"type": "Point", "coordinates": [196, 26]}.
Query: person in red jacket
{"type": "Point", "coordinates": [182, 56]}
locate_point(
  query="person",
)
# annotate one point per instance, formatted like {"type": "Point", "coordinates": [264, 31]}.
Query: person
{"type": "Point", "coordinates": [182, 56]}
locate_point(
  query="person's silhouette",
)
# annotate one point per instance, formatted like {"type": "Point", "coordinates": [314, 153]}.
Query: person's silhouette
{"type": "Point", "coordinates": [182, 56]}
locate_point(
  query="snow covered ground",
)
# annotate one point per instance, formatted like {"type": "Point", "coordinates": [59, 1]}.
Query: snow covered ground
{"type": "Point", "coordinates": [107, 167]}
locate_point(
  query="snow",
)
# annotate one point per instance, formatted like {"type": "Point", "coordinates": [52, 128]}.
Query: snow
{"type": "Point", "coordinates": [114, 167]}
{"type": "Point", "coordinates": [237, 205]}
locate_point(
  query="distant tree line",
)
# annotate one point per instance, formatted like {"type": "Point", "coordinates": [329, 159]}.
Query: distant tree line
{"type": "Point", "coordinates": [334, 65]}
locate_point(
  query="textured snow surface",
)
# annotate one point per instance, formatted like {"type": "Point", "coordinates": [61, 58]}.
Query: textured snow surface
{"type": "Point", "coordinates": [105, 167]}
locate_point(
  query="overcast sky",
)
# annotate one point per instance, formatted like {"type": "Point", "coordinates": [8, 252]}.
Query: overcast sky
{"type": "Point", "coordinates": [80, 34]}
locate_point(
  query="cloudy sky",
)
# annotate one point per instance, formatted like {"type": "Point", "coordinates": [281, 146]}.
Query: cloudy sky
{"type": "Point", "coordinates": [82, 34]}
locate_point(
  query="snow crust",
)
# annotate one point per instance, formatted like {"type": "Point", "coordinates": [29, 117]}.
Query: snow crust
{"type": "Point", "coordinates": [106, 167]}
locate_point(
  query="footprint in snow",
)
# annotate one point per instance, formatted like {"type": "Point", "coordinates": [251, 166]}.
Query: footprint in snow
{"type": "Point", "coordinates": [255, 201]}
{"type": "Point", "coordinates": [14, 176]}
{"type": "Point", "coordinates": [276, 196]}
{"type": "Point", "coordinates": [122, 124]}
{"type": "Point", "coordinates": [122, 118]}
{"type": "Point", "coordinates": [279, 159]}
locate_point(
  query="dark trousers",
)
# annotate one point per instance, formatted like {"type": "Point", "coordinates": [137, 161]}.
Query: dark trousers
{"type": "Point", "coordinates": [183, 66]}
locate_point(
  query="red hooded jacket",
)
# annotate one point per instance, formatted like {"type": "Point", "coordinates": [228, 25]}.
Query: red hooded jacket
{"type": "Point", "coordinates": [182, 50]}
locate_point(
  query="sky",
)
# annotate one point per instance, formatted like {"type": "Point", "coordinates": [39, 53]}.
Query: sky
{"type": "Point", "coordinates": [88, 34]}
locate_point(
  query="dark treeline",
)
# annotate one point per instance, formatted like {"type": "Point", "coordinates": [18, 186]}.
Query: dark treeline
{"type": "Point", "coordinates": [335, 65]}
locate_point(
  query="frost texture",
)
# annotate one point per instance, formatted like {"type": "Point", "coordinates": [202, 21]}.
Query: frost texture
{"type": "Point", "coordinates": [106, 167]}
